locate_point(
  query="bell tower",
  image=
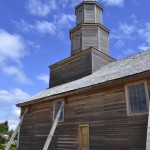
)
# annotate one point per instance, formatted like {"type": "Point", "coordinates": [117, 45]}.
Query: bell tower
{"type": "Point", "coordinates": [89, 46]}
{"type": "Point", "coordinates": [89, 30]}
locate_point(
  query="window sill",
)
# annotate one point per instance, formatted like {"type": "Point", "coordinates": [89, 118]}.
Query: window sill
{"type": "Point", "coordinates": [137, 114]}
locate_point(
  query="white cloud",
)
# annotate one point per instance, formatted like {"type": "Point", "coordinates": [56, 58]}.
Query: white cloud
{"type": "Point", "coordinates": [114, 2]}
{"type": "Point", "coordinates": [124, 31]}
{"type": "Point", "coordinates": [126, 53]}
{"type": "Point", "coordinates": [14, 95]}
{"type": "Point", "coordinates": [17, 73]}
{"type": "Point", "coordinates": [12, 49]}
{"type": "Point", "coordinates": [54, 27]}
{"type": "Point", "coordinates": [143, 47]}
{"type": "Point", "coordinates": [41, 7]}
{"type": "Point", "coordinates": [16, 111]}
{"type": "Point", "coordinates": [11, 46]}
{"type": "Point", "coordinates": [126, 28]}
{"type": "Point", "coordinates": [13, 122]}
{"type": "Point", "coordinates": [10, 112]}
{"type": "Point", "coordinates": [44, 78]}
{"type": "Point", "coordinates": [45, 27]}
{"type": "Point", "coordinates": [131, 32]}
{"type": "Point", "coordinates": [144, 32]}
{"type": "Point", "coordinates": [24, 26]}
{"type": "Point", "coordinates": [12, 117]}
{"type": "Point", "coordinates": [64, 19]}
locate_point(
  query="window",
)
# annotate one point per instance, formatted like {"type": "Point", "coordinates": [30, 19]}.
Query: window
{"type": "Point", "coordinates": [76, 41]}
{"type": "Point", "coordinates": [79, 14]}
{"type": "Point", "coordinates": [84, 137]}
{"type": "Point", "coordinates": [137, 97]}
{"type": "Point", "coordinates": [57, 105]}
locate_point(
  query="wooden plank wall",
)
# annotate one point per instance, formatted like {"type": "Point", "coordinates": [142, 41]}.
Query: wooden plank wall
{"type": "Point", "coordinates": [80, 15]}
{"type": "Point", "coordinates": [104, 42]}
{"type": "Point", "coordinates": [99, 16]}
{"type": "Point", "coordinates": [89, 37]}
{"type": "Point", "coordinates": [89, 13]}
{"type": "Point", "coordinates": [76, 42]}
{"type": "Point", "coordinates": [72, 70]}
{"type": "Point", "coordinates": [104, 110]}
{"type": "Point", "coordinates": [99, 61]}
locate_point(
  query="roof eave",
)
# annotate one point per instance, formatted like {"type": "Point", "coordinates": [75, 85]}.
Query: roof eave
{"type": "Point", "coordinates": [126, 79]}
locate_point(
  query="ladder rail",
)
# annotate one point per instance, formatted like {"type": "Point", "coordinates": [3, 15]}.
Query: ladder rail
{"type": "Point", "coordinates": [16, 131]}
{"type": "Point", "coordinates": [51, 133]}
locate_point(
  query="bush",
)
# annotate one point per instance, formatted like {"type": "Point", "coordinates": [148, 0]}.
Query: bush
{"type": "Point", "coordinates": [13, 146]}
{"type": "Point", "coordinates": [2, 146]}
{"type": "Point", "coordinates": [4, 127]}
{"type": "Point", "coordinates": [3, 140]}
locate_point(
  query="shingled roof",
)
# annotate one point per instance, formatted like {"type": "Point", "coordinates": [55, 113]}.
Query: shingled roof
{"type": "Point", "coordinates": [129, 66]}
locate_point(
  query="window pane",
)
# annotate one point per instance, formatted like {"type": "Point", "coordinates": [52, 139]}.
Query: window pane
{"type": "Point", "coordinates": [57, 107]}
{"type": "Point", "coordinates": [137, 98]}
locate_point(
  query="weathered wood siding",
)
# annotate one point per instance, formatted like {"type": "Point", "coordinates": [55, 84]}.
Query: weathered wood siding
{"type": "Point", "coordinates": [76, 42]}
{"type": "Point", "coordinates": [78, 66]}
{"type": "Point", "coordinates": [99, 18]}
{"type": "Point", "coordinates": [89, 13]}
{"type": "Point", "coordinates": [104, 42]}
{"type": "Point", "coordinates": [80, 15]}
{"type": "Point", "coordinates": [103, 109]}
{"type": "Point", "coordinates": [99, 61]}
{"type": "Point", "coordinates": [89, 37]}
{"type": "Point", "coordinates": [72, 70]}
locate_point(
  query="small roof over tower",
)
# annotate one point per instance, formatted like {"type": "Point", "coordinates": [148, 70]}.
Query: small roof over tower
{"type": "Point", "coordinates": [89, 2]}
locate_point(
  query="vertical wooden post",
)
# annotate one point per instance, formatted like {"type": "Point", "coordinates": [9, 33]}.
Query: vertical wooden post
{"type": "Point", "coordinates": [15, 132]}
{"type": "Point", "coordinates": [18, 136]}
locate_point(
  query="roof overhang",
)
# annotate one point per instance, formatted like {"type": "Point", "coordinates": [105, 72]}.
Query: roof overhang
{"type": "Point", "coordinates": [89, 2]}
{"type": "Point", "coordinates": [60, 63]}
{"type": "Point", "coordinates": [89, 25]}
{"type": "Point", "coordinates": [100, 86]}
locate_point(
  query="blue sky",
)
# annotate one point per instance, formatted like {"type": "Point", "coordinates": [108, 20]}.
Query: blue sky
{"type": "Point", "coordinates": [35, 34]}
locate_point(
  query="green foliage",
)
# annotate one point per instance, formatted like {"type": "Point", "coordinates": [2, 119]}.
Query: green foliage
{"type": "Point", "coordinates": [9, 133]}
{"type": "Point", "coordinates": [13, 147]}
{"type": "Point", "coordinates": [2, 146]}
{"type": "Point", "coordinates": [3, 140]}
{"type": "Point", "coordinates": [4, 127]}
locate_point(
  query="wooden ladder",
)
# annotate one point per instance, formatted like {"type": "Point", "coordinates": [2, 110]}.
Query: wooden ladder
{"type": "Point", "coordinates": [148, 132]}
{"type": "Point", "coordinates": [16, 131]}
{"type": "Point", "coordinates": [51, 133]}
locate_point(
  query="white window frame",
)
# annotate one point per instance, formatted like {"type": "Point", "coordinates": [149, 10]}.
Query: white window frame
{"type": "Point", "coordinates": [129, 113]}
{"type": "Point", "coordinates": [54, 110]}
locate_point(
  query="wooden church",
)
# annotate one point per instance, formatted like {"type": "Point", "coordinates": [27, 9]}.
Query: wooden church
{"type": "Point", "coordinates": [93, 101]}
